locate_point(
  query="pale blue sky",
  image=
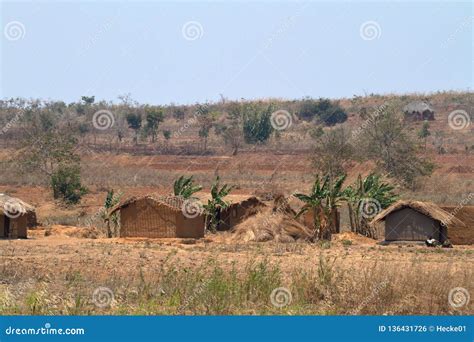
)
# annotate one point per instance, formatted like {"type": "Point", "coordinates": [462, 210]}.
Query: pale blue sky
{"type": "Point", "coordinates": [245, 50]}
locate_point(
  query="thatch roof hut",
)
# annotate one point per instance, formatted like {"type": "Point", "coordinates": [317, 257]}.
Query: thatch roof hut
{"type": "Point", "coordinates": [15, 217]}
{"type": "Point", "coordinates": [418, 111]}
{"type": "Point", "coordinates": [275, 223]}
{"type": "Point", "coordinates": [157, 216]}
{"type": "Point", "coordinates": [241, 207]}
{"type": "Point", "coordinates": [415, 221]}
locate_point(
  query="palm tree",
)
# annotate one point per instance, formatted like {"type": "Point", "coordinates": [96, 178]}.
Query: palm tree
{"type": "Point", "coordinates": [184, 187]}
{"type": "Point", "coordinates": [215, 205]}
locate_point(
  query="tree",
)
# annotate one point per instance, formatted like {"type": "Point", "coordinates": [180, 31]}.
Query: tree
{"type": "Point", "coordinates": [216, 204]}
{"type": "Point", "coordinates": [134, 122]}
{"type": "Point", "coordinates": [206, 121]}
{"type": "Point", "coordinates": [424, 132]}
{"type": "Point", "coordinates": [184, 187]}
{"type": "Point", "coordinates": [88, 100]}
{"type": "Point", "coordinates": [256, 126]}
{"type": "Point", "coordinates": [332, 151]}
{"type": "Point", "coordinates": [153, 116]}
{"type": "Point", "coordinates": [111, 200]}
{"type": "Point", "coordinates": [230, 128]}
{"type": "Point", "coordinates": [365, 199]}
{"type": "Point", "coordinates": [179, 113]}
{"type": "Point", "coordinates": [322, 110]}
{"type": "Point", "coordinates": [66, 184]}
{"type": "Point", "coordinates": [389, 143]}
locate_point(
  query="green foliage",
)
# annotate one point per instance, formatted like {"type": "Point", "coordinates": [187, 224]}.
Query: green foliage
{"type": "Point", "coordinates": [256, 123]}
{"type": "Point", "coordinates": [111, 200]}
{"type": "Point", "coordinates": [88, 100]}
{"type": "Point", "coordinates": [153, 117]}
{"type": "Point", "coordinates": [134, 121]}
{"type": "Point", "coordinates": [216, 204]}
{"type": "Point", "coordinates": [425, 130]}
{"type": "Point", "coordinates": [324, 198]}
{"type": "Point", "coordinates": [323, 110]}
{"type": "Point", "coordinates": [371, 187]}
{"type": "Point", "coordinates": [184, 187]}
{"type": "Point", "coordinates": [167, 134]}
{"type": "Point", "coordinates": [66, 184]}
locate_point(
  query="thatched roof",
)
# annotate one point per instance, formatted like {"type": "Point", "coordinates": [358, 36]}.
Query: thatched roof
{"type": "Point", "coordinates": [276, 223]}
{"type": "Point", "coordinates": [426, 208]}
{"type": "Point", "coordinates": [14, 203]}
{"type": "Point", "coordinates": [417, 107]}
{"type": "Point", "coordinates": [173, 202]}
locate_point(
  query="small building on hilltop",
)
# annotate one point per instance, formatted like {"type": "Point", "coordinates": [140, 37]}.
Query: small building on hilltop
{"type": "Point", "coordinates": [418, 111]}
{"type": "Point", "coordinates": [416, 221]}
{"type": "Point", "coordinates": [160, 217]}
{"type": "Point", "coordinates": [15, 217]}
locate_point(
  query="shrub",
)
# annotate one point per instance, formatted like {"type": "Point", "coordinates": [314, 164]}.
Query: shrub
{"type": "Point", "coordinates": [66, 184]}
{"type": "Point", "coordinates": [323, 110]}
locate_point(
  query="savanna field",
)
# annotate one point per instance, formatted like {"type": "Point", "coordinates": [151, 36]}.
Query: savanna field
{"type": "Point", "coordinates": [68, 266]}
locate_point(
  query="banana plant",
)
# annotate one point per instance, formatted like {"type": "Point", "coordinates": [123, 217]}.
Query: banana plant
{"type": "Point", "coordinates": [216, 204]}
{"type": "Point", "coordinates": [111, 200]}
{"type": "Point", "coordinates": [373, 189]}
{"type": "Point", "coordinates": [184, 187]}
{"type": "Point", "coordinates": [324, 199]}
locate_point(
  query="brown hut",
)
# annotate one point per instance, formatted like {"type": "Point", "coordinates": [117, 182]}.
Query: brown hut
{"type": "Point", "coordinates": [239, 211]}
{"type": "Point", "coordinates": [15, 217]}
{"type": "Point", "coordinates": [160, 217]}
{"type": "Point", "coordinates": [461, 234]}
{"type": "Point", "coordinates": [418, 111]}
{"type": "Point", "coordinates": [240, 208]}
{"type": "Point", "coordinates": [415, 221]}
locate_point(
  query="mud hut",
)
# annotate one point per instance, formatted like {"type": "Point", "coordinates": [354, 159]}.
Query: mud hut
{"type": "Point", "coordinates": [160, 217]}
{"type": "Point", "coordinates": [239, 211]}
{"type": "Point", "coordinates": [241, 207]}
{"type": "Point", "coordinates": [15, 217]}
{"type": "Point", "coordinates": [415, 221]}
{"type": "Point", "coordinates": [461, 234]}
{"type": "Point", "coordinates": [418, 111]}
{"type": "Point", "coordinates": [276, 223]}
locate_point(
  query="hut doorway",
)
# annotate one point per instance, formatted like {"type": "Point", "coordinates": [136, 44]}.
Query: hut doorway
{"type": "Point", "coordinates": [6, 226]}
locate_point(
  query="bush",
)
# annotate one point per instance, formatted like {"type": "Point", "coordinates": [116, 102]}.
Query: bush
{"type": "Point", "coordinates": [322, 110]}
{"type": "Point", "coordinates": [66, 184]}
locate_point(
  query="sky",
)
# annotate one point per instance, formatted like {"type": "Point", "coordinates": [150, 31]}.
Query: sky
{"type": "Point", "coordinates": [187, 52]}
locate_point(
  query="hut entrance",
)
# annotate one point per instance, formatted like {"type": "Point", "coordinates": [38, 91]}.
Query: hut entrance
{"type": "Point", "coordinates": [6, 226]}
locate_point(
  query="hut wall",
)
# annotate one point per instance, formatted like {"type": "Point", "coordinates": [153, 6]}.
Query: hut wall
{"type": "Point", "coordinates": [2, 226]}
{"type": "Point", "coordinates": [145, 218]}
{"type": "Point", "coordinates": [17, 227]}
{"type": "Point", "coordinates": [461, 235]}
{"type": "Point", "coordinates": [189, 227]}
{"type": "Point", "coordinates": [409, 225]}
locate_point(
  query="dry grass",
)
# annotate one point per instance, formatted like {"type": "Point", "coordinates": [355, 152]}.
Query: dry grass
{"type": "Point", "coordinates": [58, 275]}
